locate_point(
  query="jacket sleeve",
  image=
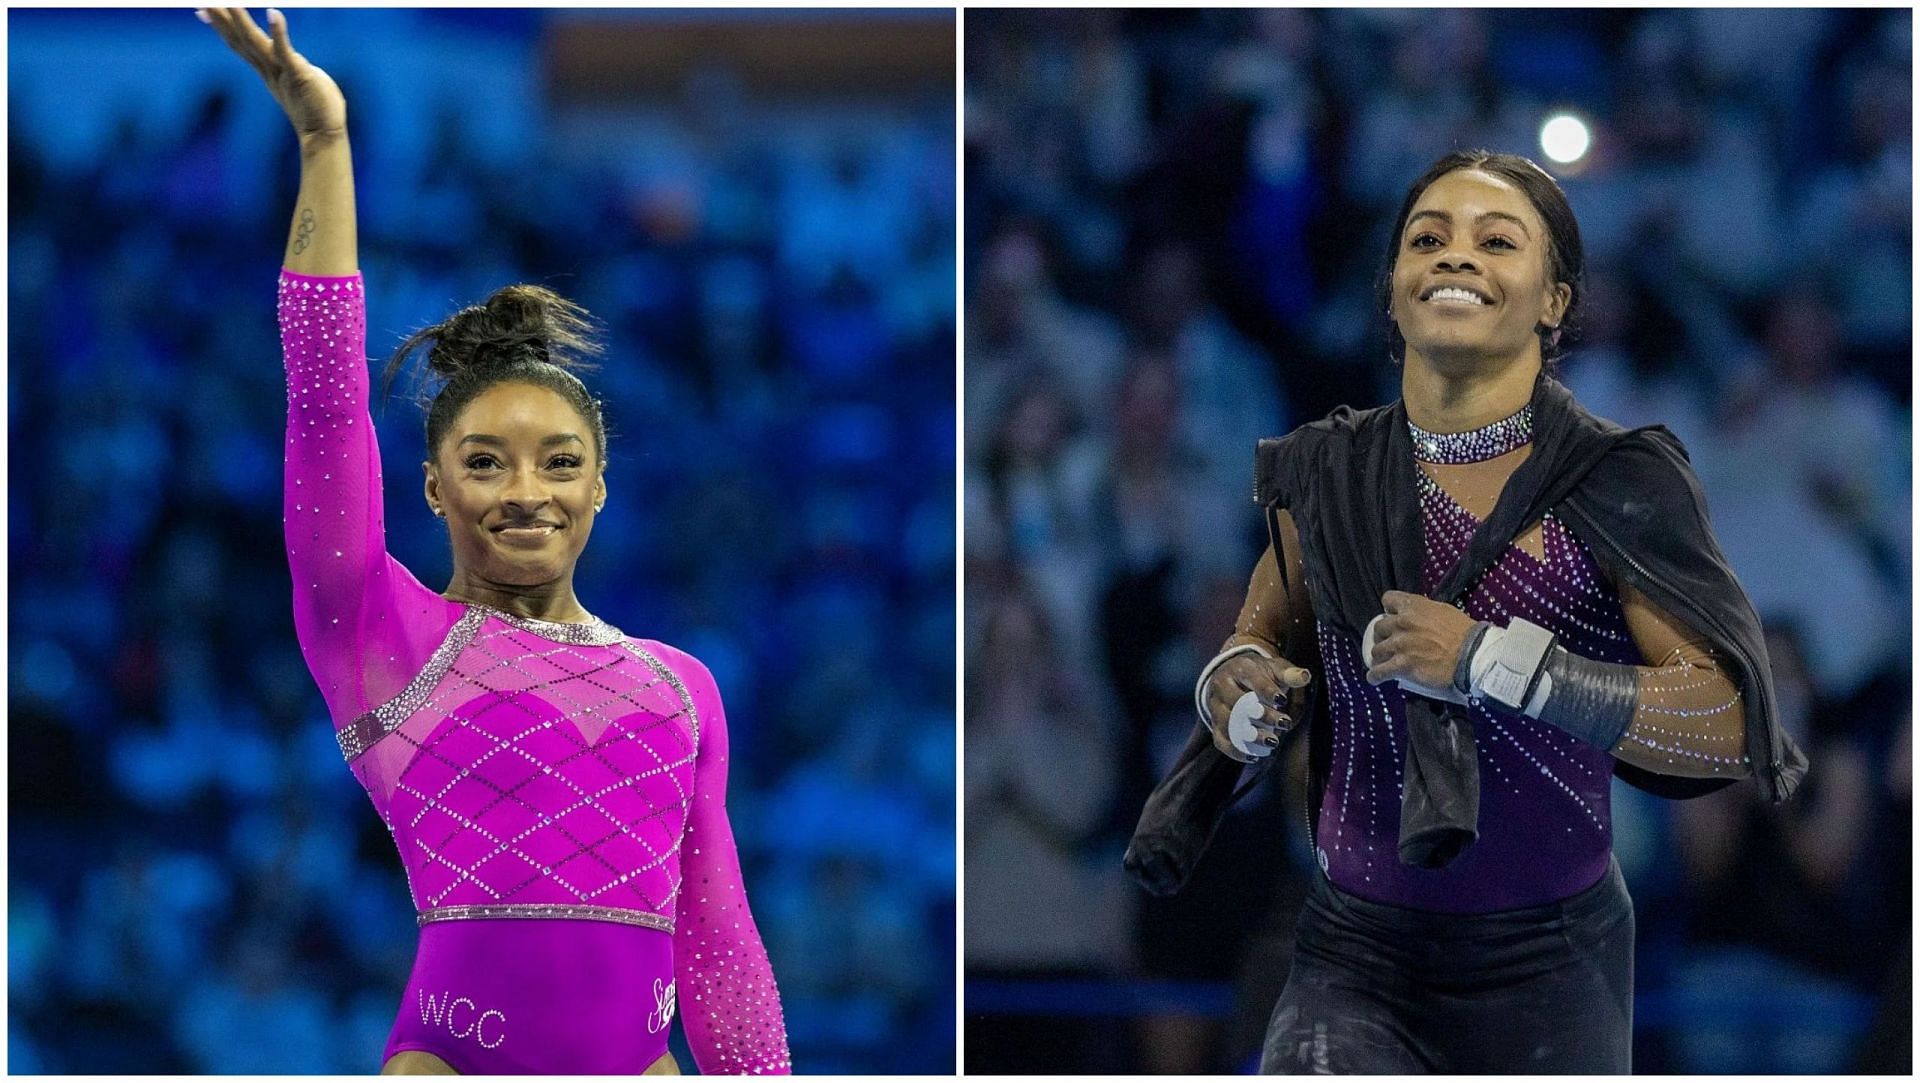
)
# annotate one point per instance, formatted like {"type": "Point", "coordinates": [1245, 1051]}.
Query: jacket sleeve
{"type": "Point", "coordinates": [1181, 815]}
{"type": "Point", "coordinates": [1644, 507]}
{"type": "Point", "coordinates": [1184, 810]}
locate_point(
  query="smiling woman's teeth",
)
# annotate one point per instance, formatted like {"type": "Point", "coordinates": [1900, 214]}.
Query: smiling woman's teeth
{"type": "Point", "coordinates": [1454, 296]}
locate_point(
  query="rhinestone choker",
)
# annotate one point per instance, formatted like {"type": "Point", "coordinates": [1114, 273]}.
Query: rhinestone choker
{"type": "Point", "coordinates": [1474, 445]}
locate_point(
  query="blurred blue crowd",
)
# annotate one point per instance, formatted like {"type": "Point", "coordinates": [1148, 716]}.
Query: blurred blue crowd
{"type": "Point", "coordinates": [1174, 224]}
{"type": "Point", "coordinates": [196, 883]}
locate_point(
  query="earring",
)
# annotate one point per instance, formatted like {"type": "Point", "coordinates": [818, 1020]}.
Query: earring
{"type": "Point", "coordinates": [439, 513]}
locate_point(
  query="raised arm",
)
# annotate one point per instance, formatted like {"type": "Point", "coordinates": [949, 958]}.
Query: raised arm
{"type": "Point", "coordinates": [1275, 618]}
{"type": "Point", "coordinates": [322, 239]}
{"type": "Point", "coordinates": [729, 1005]}
{"type": "Point", "coordinates": [364, 624]}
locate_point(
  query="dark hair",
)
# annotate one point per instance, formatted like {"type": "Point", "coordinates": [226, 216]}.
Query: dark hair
{"type": "Point", "coordinates": [520, 334]}
{"type": "Point", "coordinates": [1566, 259]}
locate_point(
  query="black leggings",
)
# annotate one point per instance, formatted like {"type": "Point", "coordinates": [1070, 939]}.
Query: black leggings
{"type": "Point", "coordinates": [1384, 990]}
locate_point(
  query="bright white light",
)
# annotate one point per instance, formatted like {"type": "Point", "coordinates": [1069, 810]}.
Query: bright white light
{"type": "Point", "coordinates": [1564, 138]}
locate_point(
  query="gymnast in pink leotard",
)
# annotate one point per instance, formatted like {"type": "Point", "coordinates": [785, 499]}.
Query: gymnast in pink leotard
{"type": "Point", "coordinates": [556, 788]}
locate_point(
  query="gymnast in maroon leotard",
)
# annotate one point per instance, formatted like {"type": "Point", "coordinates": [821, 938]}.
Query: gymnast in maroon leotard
{"type": "Point", "coordinates": [557, 789]}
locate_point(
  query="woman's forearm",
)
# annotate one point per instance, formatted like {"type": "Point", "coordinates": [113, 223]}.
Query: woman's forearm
{"type": "Point", "coordinates": [1688, 719]}
{"type": "Point", "coordinates": [323, 239]}
{"type": "Point", "coordinates": [1277, 612]}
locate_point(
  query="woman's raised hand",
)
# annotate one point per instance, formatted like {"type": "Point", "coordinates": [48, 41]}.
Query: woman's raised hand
{"type": "Point", "coordinates": [309, 96]}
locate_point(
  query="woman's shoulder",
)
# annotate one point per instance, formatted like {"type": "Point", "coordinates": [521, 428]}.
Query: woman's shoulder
{"type": "Point", "coordinates": [690, 678]}
{"type": "Point", "coordinates": [690, 670]}
{"type": "Point", "coordinates": [1343, 425]}
{"type": "Point", "coordinates": [1644, 481]}
{"type": "Point", "coordinates": [1280, 463]}
{"type": "Point", "coordinates": [1347, 422]}
{"type": "Point", "coordinates": [1651, 453]}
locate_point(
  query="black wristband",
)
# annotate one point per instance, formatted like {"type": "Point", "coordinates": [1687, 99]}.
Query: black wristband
{"type": "Point", "coordinates": [1463, 669]}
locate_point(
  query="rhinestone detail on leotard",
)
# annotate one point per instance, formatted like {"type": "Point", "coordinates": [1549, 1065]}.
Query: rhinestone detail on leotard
{"type": "Point", "coordinates": [673, 679]}
{"type": "Point", "coordinates": [542, 775]}
{"type": "Point", "coordinates": [556, 911]}
{"type": "Point", "coordinates": [1474, 445]}
{"type": "Point", "coordinates": [1542, 792]}
{"type": "Point", "coordinates": [591, 632]}
{"type": "Point", "coordinates": [360, 734]}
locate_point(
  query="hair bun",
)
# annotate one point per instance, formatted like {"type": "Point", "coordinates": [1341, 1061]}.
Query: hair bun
{"type": "Point", "coordinates": [522, 333]}
{"type": "Point", "coordinates": [516, 324]}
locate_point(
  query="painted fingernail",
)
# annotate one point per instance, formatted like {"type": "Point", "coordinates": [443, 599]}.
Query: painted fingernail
{"type": "Point", "coordinates": [274, 13]}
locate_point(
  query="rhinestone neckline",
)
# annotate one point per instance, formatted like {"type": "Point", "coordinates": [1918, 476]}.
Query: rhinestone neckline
{"type": "Point", "coordinates": [591, 632]}
{"type": "Point", "coordinates": [1474, 445]}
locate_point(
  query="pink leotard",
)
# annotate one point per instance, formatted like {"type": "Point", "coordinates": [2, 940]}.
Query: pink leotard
{"type": "Point", "coordinates": [557, 791]}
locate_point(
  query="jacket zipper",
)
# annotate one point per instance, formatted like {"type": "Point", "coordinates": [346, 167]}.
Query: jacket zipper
{"type": "Point", "coordinates": [1306, 808]}
{"type": "Point", "coordinates": [1306, 791]}
{"type": "Point", "coordinates": [1775, 766]}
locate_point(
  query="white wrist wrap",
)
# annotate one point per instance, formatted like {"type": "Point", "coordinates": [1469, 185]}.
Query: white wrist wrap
{"type": "Point", "coordinates": [1540, 696]}
{"type": "Point", "coordinates": [1508, 662]}
{"type": "Point", "coordinates": [1407, 684]}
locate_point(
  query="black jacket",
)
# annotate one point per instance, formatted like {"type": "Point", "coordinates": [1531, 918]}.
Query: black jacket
{"type": "Point", "coordinates": [1348, 481]}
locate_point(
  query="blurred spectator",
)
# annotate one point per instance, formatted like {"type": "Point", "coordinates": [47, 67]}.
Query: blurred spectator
{"type": "Point", "coordinates": [1039, 775]}
{"type": "Point", "coordinates": [1777, 899]}
{"type": "Point", "coordinates": [1802, 444]}
{"type": "Point", "coordinates": [1039, 476]}
{"type": "Point", "coordinates": [1888, 1047]}
{"type": "Point", "coordinates": [1227, 398]}
{"type": "Point", "coordinates": [1019, 327]}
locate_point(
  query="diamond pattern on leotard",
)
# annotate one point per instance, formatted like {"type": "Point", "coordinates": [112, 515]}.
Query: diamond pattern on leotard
{"type": "Point", "coordinates": [542, 772]}
{"type": "Point", "coordinates": [359, 735]}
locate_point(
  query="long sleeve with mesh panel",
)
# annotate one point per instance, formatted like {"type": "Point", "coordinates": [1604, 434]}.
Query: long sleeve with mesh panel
{"type": "Point", "coordinates": [729, 1004]}
{"type": "Point", "coordinates": [1276, 611]}
{"type": "Point", "coordinates": [364, 623]}
{"type": "Point", "coordinates": [1688, 718]}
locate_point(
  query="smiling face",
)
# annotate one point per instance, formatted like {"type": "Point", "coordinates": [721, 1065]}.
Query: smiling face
{"type": "Point", "coordinates": [1470, 277]}
{"type": "Point", "coordinates": [519, 480]}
